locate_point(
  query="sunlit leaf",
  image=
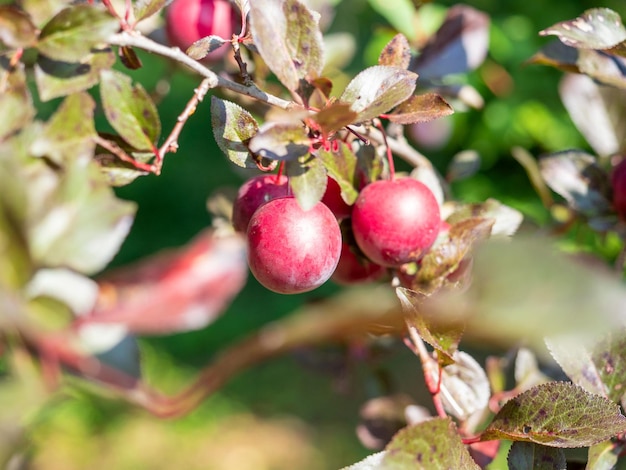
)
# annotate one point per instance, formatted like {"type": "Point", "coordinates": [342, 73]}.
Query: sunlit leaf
{"type": "Point", "coordinates": [16, 101]}
{"type": "Point", "coordinates": [342, 167]}
{"type": "Point", "coordinates": [506, 219]}
{"type": "Point", "coordinates": [421, 108]}
{"type": "Point", "coordinates": [233, 127]}
{"type": "Point", "coordinates": [16, 28]}
{"type": "Point", "coordinates": [397, 52]}
{"type": "Point", "coordinates": [459, 45]}
{"type": "Point", "coordinates": [465, 390]}
{"type": "Point", "coordinates": [603, 456]}
{"type": "Point", "coordinates": [55, 78]}
{"type": "Point", "coordinates": [444, 337]}
{"type": "Point", "coordinates": [434, 443]}
{"type": "Point", "coordinates": [201, 48]}
{"type": "Point", "coordinates": [529, 456]}
{"type": "Point", "coordinates": [287, 35]}
{"type": "Point", "coordinates": [598, 366]}
{"type": "Point", "coordinates": [377, 89]}
{"type": "Point", "coordinates": [70, 131]}
{"type": "Point", "coordinates": [146, 8]}
{"type": "Point", "coordinates": [597, 28]}
{"type": "Point", "coordinates": [75, 31]}
{"type": "Point", "coordinates": [557, 414]}
{"type": "Point", "coordinates": [307, 180]}
{"type": "Point", "coordinates": [577, 177]}
{"type": "Point", "coordinates": [280, 141]}
{"type": "Point", "coordinates": [130, 110]}
{"type": "Point", "coordinates": [526, 371]}
{"type": "Point", "coordinates": [74, 219]}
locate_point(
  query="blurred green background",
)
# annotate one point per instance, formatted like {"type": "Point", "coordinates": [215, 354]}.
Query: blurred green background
{"type": "Point", "coordinates": [280, 414]}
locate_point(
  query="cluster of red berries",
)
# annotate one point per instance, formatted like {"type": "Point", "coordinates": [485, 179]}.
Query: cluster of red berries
{"type": "Point", "coordinates": [290, 250]}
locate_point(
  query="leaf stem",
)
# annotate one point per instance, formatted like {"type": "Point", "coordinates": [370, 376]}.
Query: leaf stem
{"type": "Point", "coordinates": [119, 153]}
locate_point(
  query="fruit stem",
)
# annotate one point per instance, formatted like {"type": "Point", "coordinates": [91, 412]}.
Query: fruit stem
{"type": "Point", "coordinates": [392, 170]}
{"type": "Point", "coordinates": [281, 168]}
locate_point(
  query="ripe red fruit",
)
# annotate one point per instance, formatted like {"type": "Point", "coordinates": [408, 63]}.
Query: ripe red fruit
{"type": "Point", "coordinates": [291, 250]}
{"type": "Point", "coordinates": [186, 21]}
{"type": "Point", "coordinates": [618, 179]}
{"type": "Point", "coordinates": [332, 198]}
{"type": "Point", "coordinates": [254, 193]}
{"type": "Point", "coordinates": [353, 269]}
{"type": "Point", "coordinates": [395, 221]}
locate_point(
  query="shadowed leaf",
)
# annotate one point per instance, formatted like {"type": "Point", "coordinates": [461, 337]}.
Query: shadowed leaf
{"type": "Point", "coordinates": [287, 35]}
{"type": "Point", "coordinates": [16, 28]}
{"type": "Point", "coordinates": [557, 414]}
{"type": "Point", "coordinates": [130, 110]}
{"type": "Point", "coordinates": [377, 89]}
{"type": "Point", "coordinates": [75, 31]}
{"type": "Point", "coordinates": [459, 45]}
{"type": "Point", "coordinates": [558, 55]}
{"type": "Point", "coordinates": [421, 108]}
{"type": "Point", "coordinates": [334, 117]}
{"type": "Point", "coordinates": [506, 219]}
{"type": "Point", "coordinates": [233, 127]}
{"type": "Point", "coordinates": [529, 456]}
{"type": "Point", "coordinates": [577, 177]}
{"type": "Point", "coordinates": [464, 164]}
{"type": "Point", "coordinates": [280, 141]}
{"type": "Point", "coordinates": [397, 52]}
{"type": "Point", "coordinates": [129, 58]}
{"type": "Point", "coordinates": [307, 180]}
{"type": "Point", "coordinates": [55, 78]}
{"type": "Point", "coordinates": [341, 167]}
{"type": "Point", "coordinates": [597, 28]}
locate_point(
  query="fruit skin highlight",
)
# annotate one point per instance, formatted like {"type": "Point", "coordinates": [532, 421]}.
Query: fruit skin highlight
{"type": "Point", "coordinates": [291, 250]}
{"type": "Point", "coordinates": [253, 194]}
{"type": "Point", "coordinates": [186, 21]}
{"type": "Point", "coordinates": [395, 221]}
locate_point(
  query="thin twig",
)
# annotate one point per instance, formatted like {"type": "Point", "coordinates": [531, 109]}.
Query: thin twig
{"type": "Point", "coordinates": [135, 39]}
{"type": "Point", "coordinates": [119, 153]}
{"type": "Point", "coordinates": [171, 142]}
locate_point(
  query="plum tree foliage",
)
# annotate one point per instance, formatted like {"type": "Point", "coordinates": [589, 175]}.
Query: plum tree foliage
{"type": "Point", "coordinates": [275, 110]}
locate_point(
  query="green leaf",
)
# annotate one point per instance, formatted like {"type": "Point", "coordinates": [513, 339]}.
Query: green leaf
{"type": "Point", "coordinates": [280, 141]}
{"type": "Point", "coordinates": [421, 108]}
{"type": "Point", "coordinates": [145, 8]}
{"type": "Point", "coordinates": [16, 102]}
{"type": "Point", "coordinates": [443, 336]}
{"type": "Point", "coordinates": [72, 34]}
{"type": "Point", "coordinates": [397, 52]}
{"type": "Point", "coordinates": [603, 456]}
{"type": "Point", "coordinates": [529, 456]}
{"type": "Point", "coordinates": [597, 28]}
{"type": "Point", "coordinates": [233, 127]}
{"type": "Point", "coordinates": [130, 110]}
{"type": "Point", "coordinates": [75, 220]}
{"type": "Point", "coordinates": [557, 414]}
{"type": "Point", "coordinates": [431, 444]}
{"type": "Point", "coordinates": [307, 180]}
{"type": "Point", "coordinates": [377, 89]}
{"type": "Point", "coordinates": [598, 365]}
{"type": "Point", "coordinates": [42, 10]}
{"type": "Point", "coordinates": [341, 166]}
{"type": "Point", "coordinates": [55, 78]}
{"type": "Point", "coordinates": [399, 13]}
{"type": "Point", "coordinates": [70, 132]}
{"type": "Point", "coordinates": [16, 28]}
{"type": "Point", "coordinates": [286, 34]}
